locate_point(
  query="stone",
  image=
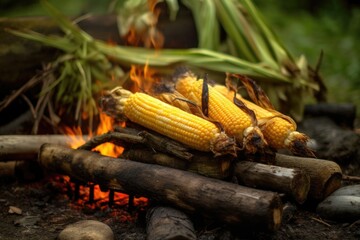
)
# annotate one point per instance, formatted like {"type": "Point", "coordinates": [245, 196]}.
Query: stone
{"type": "Point", "coordinates": [87, 230]}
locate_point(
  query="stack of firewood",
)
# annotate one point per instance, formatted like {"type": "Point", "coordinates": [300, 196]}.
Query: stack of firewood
{"type": "Point", "coordinates": [182, 181]}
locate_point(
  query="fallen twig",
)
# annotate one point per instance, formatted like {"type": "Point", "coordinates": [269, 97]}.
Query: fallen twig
{"type": "Point", "coordinates": [351, 178]}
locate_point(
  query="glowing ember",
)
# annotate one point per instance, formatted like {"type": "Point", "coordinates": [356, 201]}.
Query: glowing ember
{"type": "Point", "coordinates": [100, 199]}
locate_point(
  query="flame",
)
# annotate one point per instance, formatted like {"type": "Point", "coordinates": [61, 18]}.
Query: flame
{"type": "Point", "coordinates": [107, 149]}
{"type": "Point", "coordinates": [101, 197]}
{"type": "Point", "coordinates": [106, 124]}
{"type": "Point", "coordinates": [144, 78]}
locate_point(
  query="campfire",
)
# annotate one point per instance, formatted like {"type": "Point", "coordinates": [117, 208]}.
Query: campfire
{"type": "Point", "coordinates": [173, 148]}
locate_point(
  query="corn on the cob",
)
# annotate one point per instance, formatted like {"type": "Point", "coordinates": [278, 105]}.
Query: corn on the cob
{"type": "Point", "coordinates": [234, 120]}
{"type": "Point", "coordinates": [168, 120]}
{"type": "Point", "coordinates": [279, 130]}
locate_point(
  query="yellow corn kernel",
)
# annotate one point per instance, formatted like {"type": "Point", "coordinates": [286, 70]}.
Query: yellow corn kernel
{"type": "Point", "coordinates": [279, 130]}
{"type": "Point", "coordinates": [168, 120]}
{"type": "Point", "coordinates": [235, 121]}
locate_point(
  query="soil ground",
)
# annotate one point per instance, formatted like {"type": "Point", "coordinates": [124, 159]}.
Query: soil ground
{"type": "Point", "coordinates": [46, 210]}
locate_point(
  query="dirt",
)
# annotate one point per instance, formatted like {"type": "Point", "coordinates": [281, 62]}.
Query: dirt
{"type": "Point", "coordinates": [46, 210]}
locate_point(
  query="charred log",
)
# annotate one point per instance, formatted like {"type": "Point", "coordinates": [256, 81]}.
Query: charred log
{"type": "Point", "coordinates": [292, 181]}
{"type": "Point", "coordinates": [126, 137]}
{"type": "Point", "coordinates": [204, 164]}
{"type": "Point", "coordinates": [325, 176]}
{"type": "Point", "coordinates": [228, 202]}
{"type": "Point", "coordinates": [166, 223]}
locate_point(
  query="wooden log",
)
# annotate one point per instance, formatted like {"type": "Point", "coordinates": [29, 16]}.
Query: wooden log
{"type": "Point", "coordinates": [167, 223]}
{"type": "Point", "coordinates": [26, 147]}
{"type": "Point", "coordinates": [227, 202]}
{"type": "Point", "coordinates": [204, 164]}
{"type": "Point", "coordinates": [291, 181]}
{"type": "Point", "coordinates": [7, 169]}
{"type": "Point", "coordinates": [325, 176]}
{"type": "Point", "coordinates": [21, 170]}
{"type": "Point", "coordinates": [154, 141]}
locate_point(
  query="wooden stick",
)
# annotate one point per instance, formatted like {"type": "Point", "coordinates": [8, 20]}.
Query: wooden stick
{"type": "Point", "coordinates": [7, 169]}
{"type": "Point", "coordinates": [21, 170]}
{"type": "Point", "coordinates": [351, 178]}
{"type": "Point", "coordinates": [227, 202]}
{"type": "Point", "coordinates": [292, 181]}
{"type": "Point", "coordinates": [325, 176]}
{"type": "Point", "coordinates": [26, 147]}
{"type": "Point", "coordinates": [167, 223]}
{"type": "Point", "coordinates": [154, 141]}
{"type": "Point", "coordinates": [204, 164]}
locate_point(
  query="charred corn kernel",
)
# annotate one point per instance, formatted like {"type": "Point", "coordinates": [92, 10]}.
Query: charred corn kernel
{"type": "Point", "coordinates": [279, 130]}
{"type": "Point", "coordinates": [235, 121]}
{"type": "Point", "coordinates": [168, 120]}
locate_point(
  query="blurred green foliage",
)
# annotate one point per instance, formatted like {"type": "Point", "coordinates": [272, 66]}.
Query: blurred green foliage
{"type": "Point", "coordinates": [306, 27]}
{"type": "Point", "coordinates": [333, 26]}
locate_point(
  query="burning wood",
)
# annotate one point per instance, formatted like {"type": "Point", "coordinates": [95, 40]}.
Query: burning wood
{"type": "Point", "coordinates": [231, 203]}
{"type": "Point", "coordinates": [203, 164]}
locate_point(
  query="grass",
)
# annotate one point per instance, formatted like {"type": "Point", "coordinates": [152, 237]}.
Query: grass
{"type": "Point", "coordinates": [332, 29]}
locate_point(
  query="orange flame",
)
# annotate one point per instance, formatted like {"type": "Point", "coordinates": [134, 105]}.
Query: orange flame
{"type": "Point", "coordinates": [144, 78]}
{"type": "Point", "coordinates": [107, 149]}
{"type": "Point", "coordinates": [106, 125]}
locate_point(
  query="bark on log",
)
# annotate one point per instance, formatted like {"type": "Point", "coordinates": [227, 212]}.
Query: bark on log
{"type": "Point", "coordinates": [325, 176]}
{"type": "Point", "coordinates": [228, 202]}
{"type": "Point", "coordinates": [127, 137]}
{"type": "Point", "coordinates": [21, 170]}
{"type": "Point", "coordinates": [167, 223]}
{"type": "Point", "coordinates": [26, 147]}
{"type": "Point", "coordinates": [204, 164]}
{"type": "Point", "coordinates": [7, 169]}
{"type": "Point", "coordinates": [291, 181]}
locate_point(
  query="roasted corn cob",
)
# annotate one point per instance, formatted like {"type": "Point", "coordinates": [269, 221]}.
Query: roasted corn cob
{"type": "Point", "coordinates": [236, 122]}
{"type": "Point", "coordinates": [279, 130]}
{"type": "Point", "coordinates": [168, 120]}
